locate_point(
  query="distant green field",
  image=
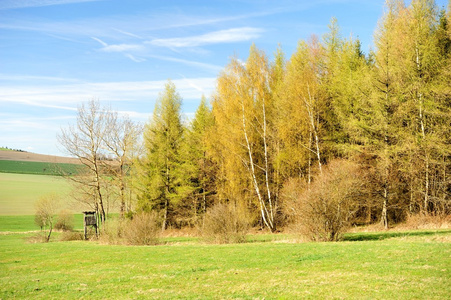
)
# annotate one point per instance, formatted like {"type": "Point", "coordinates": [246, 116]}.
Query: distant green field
{"type": "Point", "coordinates": [405, 267]}
{"type": "Point", "coordinates": [40, 168]}
{"type": "Point", "coordinates": [26, 223]}
{"type": "Point", "coordinates": [19, 192]}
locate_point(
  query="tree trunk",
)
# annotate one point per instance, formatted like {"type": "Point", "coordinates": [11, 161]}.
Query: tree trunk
{"type": "Point", "coordinates": [384, 219]}
{"type": "Point", "coordinates": [165, 215]}
{"type": "Point", "coordinates": [251, 167]}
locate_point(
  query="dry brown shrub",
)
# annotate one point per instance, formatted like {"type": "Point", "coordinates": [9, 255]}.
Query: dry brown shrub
{"type": "Point", "coordinates": [111, 231]}
{"type": "Point", "coordinates": [143, 229]}
{"type": "Point", "coordinates": [224, 223]}
{"type": "Point", "coordinates": [65, 221]}
{"type": "Point", "coordinates": [422, 221]}
{"type": "Point", "coordinates": [323, 211]}
{"type": "Point", "coordinates": [71, 236]}
{"type": "Point", "coordinates": [37, 238]}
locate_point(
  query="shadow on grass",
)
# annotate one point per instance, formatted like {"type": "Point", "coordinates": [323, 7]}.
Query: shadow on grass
{"type": "Point", "coordinates": [371, 236]}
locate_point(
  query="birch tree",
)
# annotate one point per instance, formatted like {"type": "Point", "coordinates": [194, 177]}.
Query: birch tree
{"type": "Point", "coordinates": [243, 106]}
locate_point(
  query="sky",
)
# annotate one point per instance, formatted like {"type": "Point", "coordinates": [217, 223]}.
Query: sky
{"type": "Point", "coordinates": [57, 54]}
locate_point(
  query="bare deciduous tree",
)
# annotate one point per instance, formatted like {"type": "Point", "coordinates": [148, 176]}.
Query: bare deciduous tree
{"type": "Point", "coordinates": [84, 141]}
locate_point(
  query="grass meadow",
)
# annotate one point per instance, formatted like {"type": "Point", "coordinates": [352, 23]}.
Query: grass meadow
{"type": "Point", "coordinates": [401, 267]}
{"type": "Point", "coordinates": [366, 265]}
{"type": "Point", "coordinates": [19, 192]}
{"type": "Point", "coordinates": [38, 168]}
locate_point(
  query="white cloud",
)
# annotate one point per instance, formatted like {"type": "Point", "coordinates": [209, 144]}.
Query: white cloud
{"type": "Point", "coordinates": [12, 77]}
{"type": "Point", "coordinates": [135, 59]}
{"type": "Point", "coordinates": [100, 41]}
{"type": "Point", "coordinates": [196, 64]}
{"type": "Point", "coordinates": [68, 96]}
{"type": "Point", "coordinates": [122, 48]}
{"type": "Point", "coordinates": [216, 37]}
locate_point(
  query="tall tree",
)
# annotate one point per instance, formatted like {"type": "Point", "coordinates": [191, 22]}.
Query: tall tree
{"type": "Point", "coordinates": [305, 111]}
{"type": "Point", "coordinates": [380, 124]}
{"type": "Point", "coordinates": [85, 142]}
{"type": "Point", "coordinates": [244, 110]}
{"type": "Point", "coordinates": [199, 167]}
{"type": "Point", "coordinates": [161, 167]}
{"type": "Point", "coordinates": [121, 141]}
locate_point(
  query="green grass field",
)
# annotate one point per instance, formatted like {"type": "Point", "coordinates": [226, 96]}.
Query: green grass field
{"type": "Point", "coordinates": [19, 192]}
{"type": "Point", "coordinates": [403, 267]}
{"type": "Point", "coordinates": [40, 168]}
{"type": "Point", "coordinates": [26, 223]}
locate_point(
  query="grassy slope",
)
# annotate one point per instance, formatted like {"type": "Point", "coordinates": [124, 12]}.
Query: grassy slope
{"type": "Point", "coordinates": [416, 267]}
{"type": "Point", "coordinates": [19, 192]}
{"type": "Point", "coordinates": [40, 168]}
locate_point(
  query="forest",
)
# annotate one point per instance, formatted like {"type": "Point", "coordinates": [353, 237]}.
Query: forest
{"type": "Point", "coordinates": [327, 138]}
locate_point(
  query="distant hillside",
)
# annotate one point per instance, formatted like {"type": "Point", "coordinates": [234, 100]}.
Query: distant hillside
{"type": "Point", "coordinates": [22, 162]}
{"type": "Point", "coordinates": [29, 156]}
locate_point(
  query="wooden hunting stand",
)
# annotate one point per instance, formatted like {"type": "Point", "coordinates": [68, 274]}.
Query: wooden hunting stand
{"type": "Point", "coordinates": [90, 219]}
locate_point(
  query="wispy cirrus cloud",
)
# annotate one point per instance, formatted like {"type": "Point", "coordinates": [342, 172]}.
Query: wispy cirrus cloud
{"type": "Point", "coordinates": [216, 37]}
{"type": "Point", "coordinates": [14, 4]}
{"type": "Point", "coordinates": [68, 96]}
{"type": "Point", "coordinates": [122, 48]}
{"type": "Point", "coordinates": [126, 49]}
{"type": "Point", "coordinates": [118, 47]}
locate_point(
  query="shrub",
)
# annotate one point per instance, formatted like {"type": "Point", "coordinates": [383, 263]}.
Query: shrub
{"type": "Point", "coordinates": [111, 231]}
{"type": "Point", "coordinates": [225, 223]}
{"type": "Point", "coordinates": [37, 238]}
{"type": "Point", "coordinates": [422, 221]}
{"type": "Point", "coordinates": [143, 229]}
{"type": "Point", "coordinates": [65, 221]}
{"type": "Point", "coordinates": [46, 207]}
{"type": "Point", "coordinates": [323, 211]}
{"type": "Point", "coordinates": [71, 236]}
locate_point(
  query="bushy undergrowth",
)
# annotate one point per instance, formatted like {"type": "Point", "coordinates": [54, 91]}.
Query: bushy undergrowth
{"type": "Point", "coordinates": [323, 211]}
{"type": "Point", "coordinates": [65, 221]}
{"type": "Point", "coordinates": [71, 236]}
{"type": "Point", "coordinates": [142, 229]}
{"type": "Point", "coordinates": [224, 224]}
{"type": "Point", "coordinates": [420, 221]}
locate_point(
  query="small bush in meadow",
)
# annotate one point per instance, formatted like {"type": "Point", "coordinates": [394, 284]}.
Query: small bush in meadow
{"type": "Point", "coordinates": [111, 231]}
{"type": "Point", "coordinates": [65, 221]}
{"type": "Point", "coordinates": [224, 224]}
{"type": "Point", "coordinates": [143, 229]}
{"type": "Point", "coordinates": [324, 211]}
{"type": "Point", "coordinates": [71, 236]}
{"type": "Point", "coordinates": [46, 208]}
{"type": "Point", "coordinates": [38, 238]}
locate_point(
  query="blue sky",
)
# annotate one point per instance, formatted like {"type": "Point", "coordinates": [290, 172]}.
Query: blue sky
{"type": "Point", "coordinates": [56, 54]}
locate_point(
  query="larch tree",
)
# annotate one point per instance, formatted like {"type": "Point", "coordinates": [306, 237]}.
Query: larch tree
{"type": "Point", "coordinates": [381, 130]}
{"type": "Point", "coordinates": [160, 173]}
{"type": "Point", "coordinates": [200, 170]}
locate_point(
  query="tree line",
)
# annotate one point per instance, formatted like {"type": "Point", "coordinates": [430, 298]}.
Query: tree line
{"type": "Point", "coordinates": [332, 131]}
